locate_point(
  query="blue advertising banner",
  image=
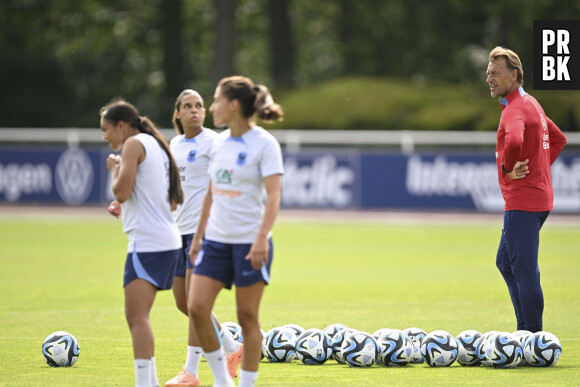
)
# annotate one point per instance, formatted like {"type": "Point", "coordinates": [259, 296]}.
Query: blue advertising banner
{"type": "Point", "coordinates": [312, 179]}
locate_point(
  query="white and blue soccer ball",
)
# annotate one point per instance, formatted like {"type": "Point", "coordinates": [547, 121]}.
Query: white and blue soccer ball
{"type": "Point", "coordinates": [416, 335]}
{"type": "Point", "coordinates": [522, 336]}
{"type": "Point", "coordinates": [313, 347]}
{"type": "Point", "coordinates": [263, 354]}
{"type": "Point", "coordinates": [331, 330]}
{"type": "Point", "coordinates": [395, 348]}
{"type": "Point", "coordinates": [337, 341]}
{"type": "Point", "coordinates": [280, 345]}
{"type": "Point", "coordinates": [482, 345]}
{"type": "Point", "coordinates": [234, 329]}
{"type": "Point", "coordinates": [359, 349]}
{"type": "Point", "coordinates": [60, 349]}
{"type": "Point", "coordinates": [381, 331]}
{"type": "Point", "coordinates": [466, 349]}
{"type": "Point", "coordinates": [298, 330]}
{"type": "Point", "coordinates": [439, 349]}
{"type": "Point", "coordinates": [542, 349]}
{"type": "Point", "coordinates": [504, 351]}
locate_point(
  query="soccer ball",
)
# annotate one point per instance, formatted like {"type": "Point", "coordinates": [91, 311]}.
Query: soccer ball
{"type": "Point", "coordinates": [331, 330]}
{"type": "Point", "coordinates": [542, 349]}
{"type": "Point", "coordinates": [313, 347]}
{"type": "Point", "coordinates": [263, 354]}
{"type": "Point", "coordinates": [382, 331]}
{"type": "Point", "coordinates": [235, 330]}
{"type": "Point", "coordinates": [280, 345]}
{"type": "Point", "coordinates": [504, 351]}
{"type": "Point", "coordinates": [466, 350]}
{"type": "Point", "coordinates": [416, 335]}
{"type": "Point", "coordinates": [439, 349]}
{"type": "Point", "coordinates": [522, 336]}
{"type": "Point", "coordinates": [395, 348]}
{"type": "Point", "coordinates": [60, 349]}
{"type": "Point", "coordinates": [337, 341]}
{"type": "Point", "coordinates": [296, 328]}
{"type": "Point", "coordinates": [359, 349]}
{"type": "Point", "coordinates": [481, 345]}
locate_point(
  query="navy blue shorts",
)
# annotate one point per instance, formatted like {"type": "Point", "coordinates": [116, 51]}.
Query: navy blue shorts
{"type": "Point", "coordinates": [183, 261]}
{"type": "Point", "coordinates": [226, 262]}
{"type": "Point", "coordinates": [156, 267]}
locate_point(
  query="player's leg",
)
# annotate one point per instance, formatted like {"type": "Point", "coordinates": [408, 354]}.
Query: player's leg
{"type": "Point", "coordinates": [139, 297]}
{"type": "Point", "coordinates": [188, 376]}
{"type": "Point", "coordinates": [503, 263]}
{"type": "Point", "coordinates": [250, 284]}
{"type": "Point", "coordinates": [202, 295]}
{"type": "Point", "coordinates": [524, 243]}
{"type": "Point", "coordinates": [248, 303]}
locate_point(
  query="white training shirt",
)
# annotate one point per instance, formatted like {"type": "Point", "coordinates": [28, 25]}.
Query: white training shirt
{"type": "Point", "coordinates": [192, 157]}
{"type": "Point", "coordinates": [238, 166]}
{"type": "Point", "coordinates": [147, 213]}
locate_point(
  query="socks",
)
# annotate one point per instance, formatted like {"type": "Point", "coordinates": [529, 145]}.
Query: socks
{"type": "Point", "coordinates": [247, 378]}
{"type": "Point", "coordinates": [230, 345]}
{"type": "Point", "coordinates": [142, 372]}
{"type": "Point", "coordinates": [193, 359]}
{"type": "Point", "coordinates": [217, 363]}
{"type": "Point", "coordinates": [153, 373]}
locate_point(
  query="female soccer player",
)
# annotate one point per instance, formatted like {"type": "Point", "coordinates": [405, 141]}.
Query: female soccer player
{"type": "Point", "coordinates": [146, 185]}
{"type": "Point", "coordinates": [245, 161]}
{"type": "Point", "coordinates": [191, 151]}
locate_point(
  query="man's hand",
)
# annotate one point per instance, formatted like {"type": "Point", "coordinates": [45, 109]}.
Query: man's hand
{"type": "Point", "coordinates": [520, 170]}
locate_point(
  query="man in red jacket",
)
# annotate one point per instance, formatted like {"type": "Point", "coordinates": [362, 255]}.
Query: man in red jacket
{"type": "Point", "coordinates": [528, 143]}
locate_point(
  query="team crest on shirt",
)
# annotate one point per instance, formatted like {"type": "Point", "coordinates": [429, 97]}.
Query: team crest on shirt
{"type": "Point", "coordinates": [224, 176]}
{"type": "Point", "coordinates": [191, 156]}
{"type": "Point", "coordinates": [241, 158]}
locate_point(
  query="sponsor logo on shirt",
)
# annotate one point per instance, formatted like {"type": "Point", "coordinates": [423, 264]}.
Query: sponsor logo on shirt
{"type": "Point", "coordinates": [191, 156]}
{"type": "Point", "coordinates": [224, 176]}
{"type": "Point", "coordinates": [226, 192]}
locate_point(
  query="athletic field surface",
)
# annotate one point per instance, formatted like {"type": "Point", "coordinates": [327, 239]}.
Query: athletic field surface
{"type": "Point", "coordinates": [61, 268]}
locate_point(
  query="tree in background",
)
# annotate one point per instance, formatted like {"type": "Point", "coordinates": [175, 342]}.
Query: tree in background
{"type": "Point", "coordinates": [281, 43]}
{"type": "Point", "coordinates": [72, 56]}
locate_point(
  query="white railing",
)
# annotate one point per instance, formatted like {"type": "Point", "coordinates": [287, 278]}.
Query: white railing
{"type": "Point", "coordinates": [405, 140]}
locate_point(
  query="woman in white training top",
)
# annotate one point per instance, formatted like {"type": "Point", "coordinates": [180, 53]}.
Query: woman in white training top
{"type": "Point", "coordinates": [190, 148]}
{"type": "Point", "coordinates": [237, 215]}
{"type": "Point", "coordinates": [146, 186]}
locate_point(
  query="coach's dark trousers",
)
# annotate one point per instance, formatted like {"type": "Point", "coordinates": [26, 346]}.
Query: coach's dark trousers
{"type": "Point", "coordinates": [517, 260]}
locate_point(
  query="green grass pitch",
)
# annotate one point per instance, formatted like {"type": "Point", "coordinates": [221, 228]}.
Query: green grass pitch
{"type": "Point", "coordinates": [66, 274]}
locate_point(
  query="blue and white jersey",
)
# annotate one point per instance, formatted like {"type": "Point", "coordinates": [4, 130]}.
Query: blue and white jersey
{"type": "Point", "coordinates": [192, 157]}
{"type": "Point", "coordinates": [147, 212]}
{"type": "Point", "coordinates": [238, 166]}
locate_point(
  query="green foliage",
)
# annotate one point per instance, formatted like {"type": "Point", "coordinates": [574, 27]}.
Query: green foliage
{"type": "Point", "coordinates": [386, 103]}
{"type": "Point", "coordinates": [66, 274]}
{"type": "Point", "coordinates": [63, 60]}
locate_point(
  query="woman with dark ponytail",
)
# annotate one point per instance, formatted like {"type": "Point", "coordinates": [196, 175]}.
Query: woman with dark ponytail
{"type": "Point", "coordinates": [236, 221]}
{"type": "Point", "coordinates": [146, 185]}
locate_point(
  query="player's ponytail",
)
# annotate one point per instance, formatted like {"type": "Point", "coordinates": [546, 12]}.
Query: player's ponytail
{"type": "Point", "coordinates": [254, 99]}
{"type": "Point", "coordinates": [266, 108]}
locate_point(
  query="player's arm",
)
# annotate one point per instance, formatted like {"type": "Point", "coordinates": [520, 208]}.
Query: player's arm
{"type": "Point", "coordinates": [514, 137]}
{"type": "Point", "coordinates": [201, 224]}
{"type": "Point", "coordinates": [125, 172]}
{"type": "Point", "coordinates": [259, 251]}
{"type": "Point", "coordinates": [557, 140]}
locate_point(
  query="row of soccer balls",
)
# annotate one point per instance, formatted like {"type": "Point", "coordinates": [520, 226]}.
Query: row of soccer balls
{"type": "Point", "coordinates": [393, 347]}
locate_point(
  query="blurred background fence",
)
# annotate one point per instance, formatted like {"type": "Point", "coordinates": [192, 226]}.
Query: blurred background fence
{"type": "Point", "coordinates": [328, 169]}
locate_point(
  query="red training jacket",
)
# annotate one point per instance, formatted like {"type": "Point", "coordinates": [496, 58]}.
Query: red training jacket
{"type": "Point", "coordinates": [526, 133]}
